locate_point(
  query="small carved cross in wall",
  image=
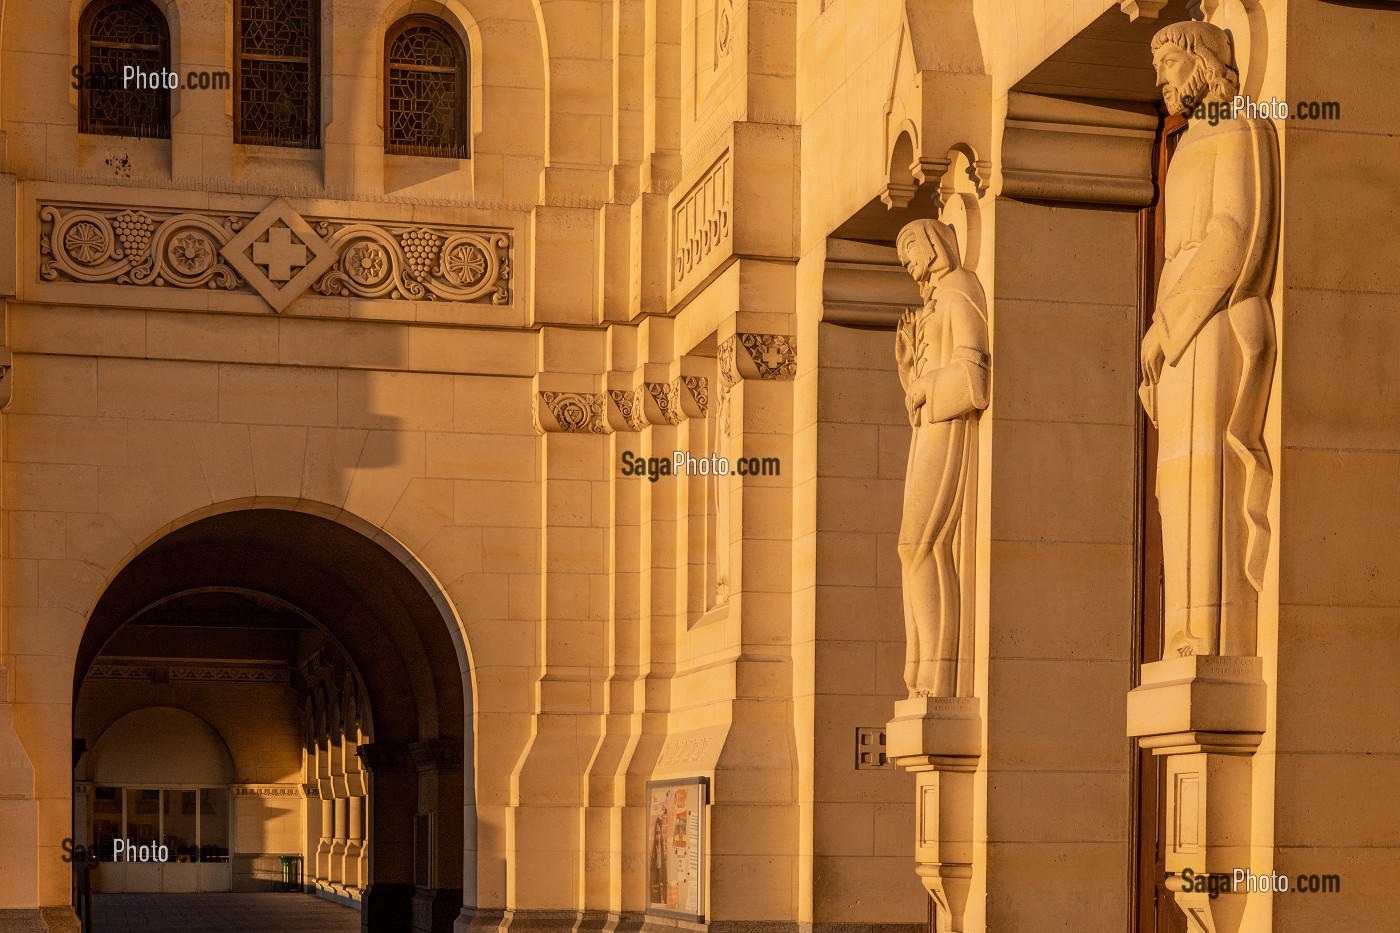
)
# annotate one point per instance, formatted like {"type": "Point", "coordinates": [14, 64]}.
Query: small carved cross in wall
{"type": "Point", "coordinates": [279, 254]}
{"type": "Point", "coordinates": [773, 357]}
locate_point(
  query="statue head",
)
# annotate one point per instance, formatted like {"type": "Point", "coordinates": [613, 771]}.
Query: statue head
{"type": "Point", "coordinates": [1193, 66]}
{"type": "Point", "coordinates": [928, 249]}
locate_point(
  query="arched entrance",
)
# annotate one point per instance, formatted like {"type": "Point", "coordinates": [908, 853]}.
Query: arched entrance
{"type": "Point", "coordinates": [328, 664]}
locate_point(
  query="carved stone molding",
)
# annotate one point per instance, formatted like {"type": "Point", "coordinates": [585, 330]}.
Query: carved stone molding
{"type": "Point", "coordinates": [1059, 150]}
{"type": "Point", "coordinates": [663, 403]}
{"type": "Point", "coordinates": [160, 671]}
{"type": "Point", "coordinates": [626, 411]}
{"type": "Point", "coordinates": [700, 221]}
{"type": "Point", "coordinates": [7, 383]}
{"type": "Point", "coordinates": [572, 413]}
{"type": "Point", "coordinates": [276, 253]}
{"type": "Point", "coordinates": [695, 400]}
{"type": "Point", "coordinates": [269, 790]}
{"type": "Point", "coordinates": [765, 356]}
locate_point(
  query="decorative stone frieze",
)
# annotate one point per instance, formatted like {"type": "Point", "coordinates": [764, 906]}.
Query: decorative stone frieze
{"type": "Point", "coordinates": [379, 757]}
{"type": "Point", "coordinates": [571, 413]}
{"type": "Point", "coordinates": [437, 754]}
{"type": "Point", "coordinates": [277, 253]}
{"type": "Point", "coordinates": [159, 671]}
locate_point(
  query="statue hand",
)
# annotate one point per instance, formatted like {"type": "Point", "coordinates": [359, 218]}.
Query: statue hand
{"type": "Point", "coordinates": [904, 342]}
{"type": "Point", "coordinates": [917, 397]}
{"type": "Point", "coordinates": [1153, 356]}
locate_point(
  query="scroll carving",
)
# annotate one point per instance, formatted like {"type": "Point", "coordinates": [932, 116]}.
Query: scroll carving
{"type": "Point", "coordinates": [625, 413]}
{"type": "Point", "coordinates": [663, 403]}
{"type": "Point", "coordinates": [276, 253]}
{"type": "Point", "coordinates": [941, 350]}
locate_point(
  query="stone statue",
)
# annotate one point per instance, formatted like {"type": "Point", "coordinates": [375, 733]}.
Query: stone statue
{"type": "Point", "coordinates": [1208, 356]}
{"type": "Point", "coordinates": [941, 350]}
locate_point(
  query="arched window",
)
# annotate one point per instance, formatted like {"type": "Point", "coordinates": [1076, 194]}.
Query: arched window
{"type": "Point", "coordinates": [277, 72]}
{"type": "Point", "coordinates": [124, 52]}
{"type": "Point", "coordinates": [425, 89]}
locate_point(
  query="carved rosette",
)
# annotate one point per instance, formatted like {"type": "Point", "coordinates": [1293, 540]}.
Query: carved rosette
{"type": "Point", "coordinates": [764, 356]}
{"type": "Point", "coordinates": [571, 413]}
{"type": "Point", "coordinates": [373, 260]}
{"type": "Point", "coordinates": [625, 411]}
{"type": "Point", "coordinates": [136, 248]}
{"type": "Point", "coordinates": [663, 403]}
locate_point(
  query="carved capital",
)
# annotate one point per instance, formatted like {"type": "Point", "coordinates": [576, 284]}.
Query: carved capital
{"type": "Point", "coordinates": [758, 356]}
{"type": "Point", "coordinates": [626, 410]}
{"type": "Point", "coordinates": [663, 403]}
{"type": "Point", "coordinates": [571, 413]}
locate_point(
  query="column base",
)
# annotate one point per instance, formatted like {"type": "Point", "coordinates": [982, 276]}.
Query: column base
{"type": "Point", "coordinates": [479, 920]}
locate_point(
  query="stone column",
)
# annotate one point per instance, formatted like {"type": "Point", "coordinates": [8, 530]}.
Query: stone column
{"type": "Point", "coordinates": [436, 902]}
{"type": "Point", "coordinates": [336, 856]}
{"type": "Point", "coordinates": [386, 906]}
{"type": "Point", "coordinates": [350, 875]}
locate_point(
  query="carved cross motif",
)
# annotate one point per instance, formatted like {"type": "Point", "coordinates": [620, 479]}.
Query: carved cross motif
{"type": "Point", "coordinates": [279, 254]}
{"type": "Point", "coordinates": [773, 356]}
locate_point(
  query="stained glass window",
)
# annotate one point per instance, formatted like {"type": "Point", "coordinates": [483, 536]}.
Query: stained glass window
{"type": "Point", "coordinates": [277, 73]}
{"type": "Point", "coordinates": [425, 89]}
{"type": "Point", "coordinates": [115, 35]}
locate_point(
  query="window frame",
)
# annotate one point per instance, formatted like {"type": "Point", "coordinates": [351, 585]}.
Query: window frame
{"type": "Point", "coordinates": [461, 145]}
{"type": "Point", "coordinates": [312, 138]}
{"type": "Point", "coordinates": [85, 45]}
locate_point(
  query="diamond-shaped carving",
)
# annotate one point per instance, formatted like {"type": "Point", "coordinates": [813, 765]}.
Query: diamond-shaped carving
{"type": "Point", "coordinates": [279, 254]}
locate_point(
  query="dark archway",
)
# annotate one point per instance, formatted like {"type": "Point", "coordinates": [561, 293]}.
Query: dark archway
{"type": "Point", "coordinates": [409, 657]}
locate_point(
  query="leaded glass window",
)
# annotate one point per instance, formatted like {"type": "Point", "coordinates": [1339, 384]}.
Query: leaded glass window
{"type": "Point", "coordinates": [277, 73]}
{"type": "Point", "coordinates": [425, 89]}
{"type": "Point", "coordinates": [119, 34]}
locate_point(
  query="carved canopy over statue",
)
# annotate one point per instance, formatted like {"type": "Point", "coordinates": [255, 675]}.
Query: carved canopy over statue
{"type": "Point", "coordinates": [941, 350]}
{"type": "Point", "coordinates": [1208, 357]}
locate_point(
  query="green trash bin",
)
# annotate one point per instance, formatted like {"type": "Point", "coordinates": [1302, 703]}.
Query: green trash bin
{"type": "Point", "coordinates": [291, 873]}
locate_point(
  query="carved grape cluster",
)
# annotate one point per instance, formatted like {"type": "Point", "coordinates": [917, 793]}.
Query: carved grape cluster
{"type": "Point", "coordinates": [421, 247]}
{"type": "Point", "coordinates": [134, 230]}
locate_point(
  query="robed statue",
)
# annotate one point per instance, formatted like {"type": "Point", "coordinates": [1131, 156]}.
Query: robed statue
{"type": "Point", "coordinates": [941, 350]}
{"type": "Point", "coordinates": [1208, 356]}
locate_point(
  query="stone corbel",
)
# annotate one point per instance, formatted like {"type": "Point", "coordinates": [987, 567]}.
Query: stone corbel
{"type": "Point", "coordinates": [568, 409]}
{"type": "Point", "coordinates": [437, 754]}
{"type": "Point", "coordinates": [662, 402]}
{"type": "Point", "coordinates": [695, 396]}
{"type": "Point", "coordinates": [626, 410]}
{"type": "Point", "coordinates": [939, 740]}
{"type": "Point", "coordinates": [758, 356]}
{"type": "Point", "coordinates": [1206, 714]}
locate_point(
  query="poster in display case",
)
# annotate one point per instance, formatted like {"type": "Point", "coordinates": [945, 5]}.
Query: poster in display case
{"type": "Point", "coordinates": [676, 852]}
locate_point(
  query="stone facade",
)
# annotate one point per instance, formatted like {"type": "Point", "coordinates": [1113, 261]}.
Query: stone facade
{"type": "Point", "coordinates": [422, 402]}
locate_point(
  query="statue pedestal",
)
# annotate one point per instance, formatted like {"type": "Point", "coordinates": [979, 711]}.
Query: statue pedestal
{"type": "Point", "coordinates": [939, 739]}
{"type": "Point", "coordinates": [1206, 714]}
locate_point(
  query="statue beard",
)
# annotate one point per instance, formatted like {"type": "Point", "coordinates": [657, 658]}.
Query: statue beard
{"type": "Point", "coordinates": [1185, 98]}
